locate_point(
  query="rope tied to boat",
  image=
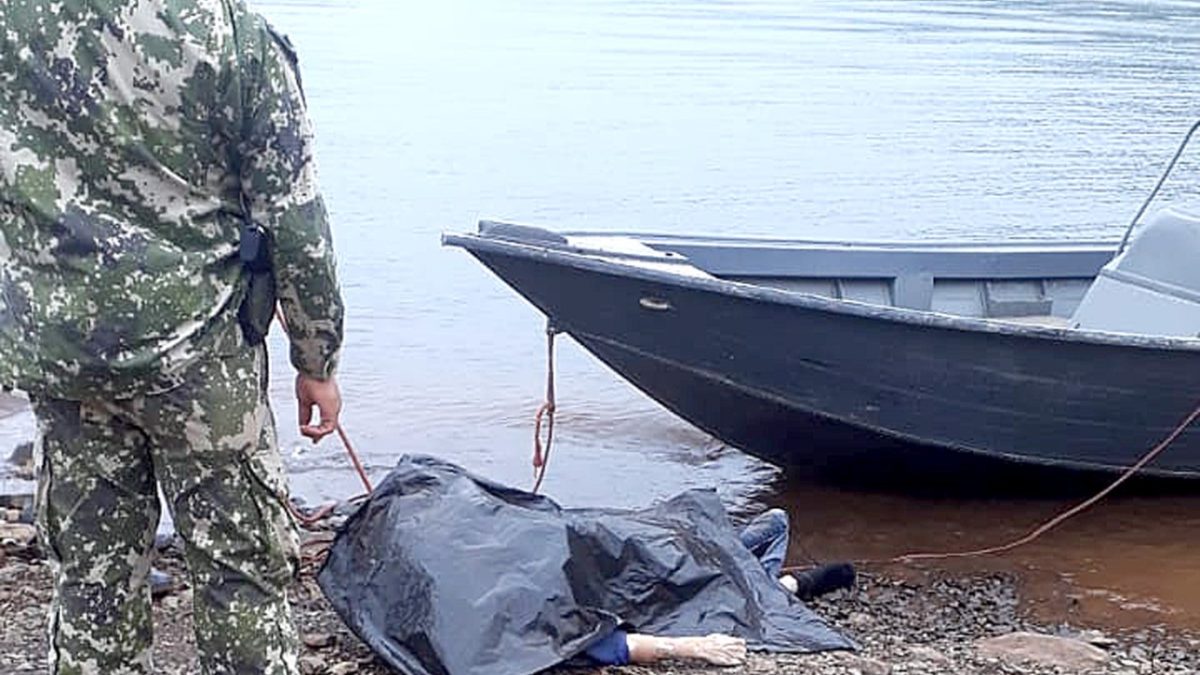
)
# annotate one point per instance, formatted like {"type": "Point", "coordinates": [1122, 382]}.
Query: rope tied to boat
{"type": "Point", "coordinates": [545, 413]}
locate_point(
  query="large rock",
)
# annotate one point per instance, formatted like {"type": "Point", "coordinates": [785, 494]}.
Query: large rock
{"type": "Point", "coordinates": [1065, 653]}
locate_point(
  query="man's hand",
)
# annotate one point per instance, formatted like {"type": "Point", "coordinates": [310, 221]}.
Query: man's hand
{"type": "Point", "coordinates": [325, 396]}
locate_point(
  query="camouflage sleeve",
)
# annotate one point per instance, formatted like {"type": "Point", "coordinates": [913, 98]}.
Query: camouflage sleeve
{"type": "Point", "coordinates": [280, 186]}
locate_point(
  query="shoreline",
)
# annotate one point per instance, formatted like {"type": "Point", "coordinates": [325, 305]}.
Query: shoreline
{"type": "Point", "coordinates": [932, 622]}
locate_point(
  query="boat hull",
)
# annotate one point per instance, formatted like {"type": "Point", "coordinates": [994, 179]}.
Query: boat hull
{"type": "Point", "coordinates": [794, 381]}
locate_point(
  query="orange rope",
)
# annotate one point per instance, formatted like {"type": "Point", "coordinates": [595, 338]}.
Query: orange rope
{"type": "Point", "coordinates": [541, 454]}
{"type": "Point", "coordinates": [323, 511]}
{"type": "Point", "coordinates": [358, 465]}
{"type": "Point", "coordinates": [315, 517]}
{"type": "Point", "coordinates": [1053, 522]}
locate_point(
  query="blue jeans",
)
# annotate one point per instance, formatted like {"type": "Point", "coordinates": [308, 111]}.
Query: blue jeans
{"type": "Point", "coordinates": [766, 537]}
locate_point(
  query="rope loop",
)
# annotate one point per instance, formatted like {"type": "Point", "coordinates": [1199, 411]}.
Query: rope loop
{"type": "Point", "coordinates": [545, 414]}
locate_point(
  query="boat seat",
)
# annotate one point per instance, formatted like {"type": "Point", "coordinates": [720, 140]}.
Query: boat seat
{"type": "Point", "coordinates": [1153, 287]}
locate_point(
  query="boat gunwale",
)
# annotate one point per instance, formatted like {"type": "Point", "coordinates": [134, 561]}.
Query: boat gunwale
{"type": "Point", "coordinates": [939, 245]}
{"type": "Point", "coordinates": [583, 259]}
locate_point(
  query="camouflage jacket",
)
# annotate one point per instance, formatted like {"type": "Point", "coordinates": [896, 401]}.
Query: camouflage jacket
{"type": "Point", "coordinates": [133, 135]}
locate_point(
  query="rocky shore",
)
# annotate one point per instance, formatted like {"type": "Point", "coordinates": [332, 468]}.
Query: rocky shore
{"type": "Point", "coordinates": [905, 622]}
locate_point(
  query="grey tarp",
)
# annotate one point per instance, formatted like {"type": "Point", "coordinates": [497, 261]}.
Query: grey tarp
{"type": "Point", "coordinates": [442, 571]}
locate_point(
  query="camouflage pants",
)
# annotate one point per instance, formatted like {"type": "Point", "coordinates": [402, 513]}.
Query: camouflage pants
{"type": "Point", "coordinates": [211, 446]}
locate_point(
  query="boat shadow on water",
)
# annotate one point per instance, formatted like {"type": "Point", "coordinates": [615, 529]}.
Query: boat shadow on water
{"type": "Point", "coordinates": [930, 474]}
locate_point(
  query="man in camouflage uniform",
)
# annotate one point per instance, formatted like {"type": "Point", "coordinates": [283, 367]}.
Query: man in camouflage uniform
{"type": "Point", "coordinates": [134, 137]}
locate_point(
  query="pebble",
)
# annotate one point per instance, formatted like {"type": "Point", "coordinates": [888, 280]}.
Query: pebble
{"type": "Point", "coordinates": [859, 619]}
{"type": "Point", "coordinates": [1097, 638]}
{"type": "Point", "coordinates": [318, 640]}
{"type": "Point", "coordinates": [310, 665]}
{"type": "Point", "coordinates": [865, 665]}
{"type": "Point", "coordinates": [927, 654]}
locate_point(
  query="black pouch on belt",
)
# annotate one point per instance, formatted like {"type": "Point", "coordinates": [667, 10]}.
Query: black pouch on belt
{"type": "Point", "coordinates": [258, 307]}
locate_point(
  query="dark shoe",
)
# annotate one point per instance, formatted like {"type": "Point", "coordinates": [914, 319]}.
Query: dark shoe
{"type": "Point", "coordinates": [824, 579]}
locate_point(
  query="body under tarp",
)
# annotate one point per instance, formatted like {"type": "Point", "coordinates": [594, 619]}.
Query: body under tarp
{"type": "Point", "coordinates": [444, 572]}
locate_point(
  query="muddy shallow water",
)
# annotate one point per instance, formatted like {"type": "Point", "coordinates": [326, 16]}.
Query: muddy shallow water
{"type": "Point", "coordinates": [1129, 561]}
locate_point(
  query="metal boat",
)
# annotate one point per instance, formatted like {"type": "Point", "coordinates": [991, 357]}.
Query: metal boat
{"type": "Point", "coordinates": [1081, 354]}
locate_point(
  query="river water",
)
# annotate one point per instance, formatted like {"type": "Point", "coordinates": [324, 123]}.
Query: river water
{"type": "Point", "coordinates": [846, 118]}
